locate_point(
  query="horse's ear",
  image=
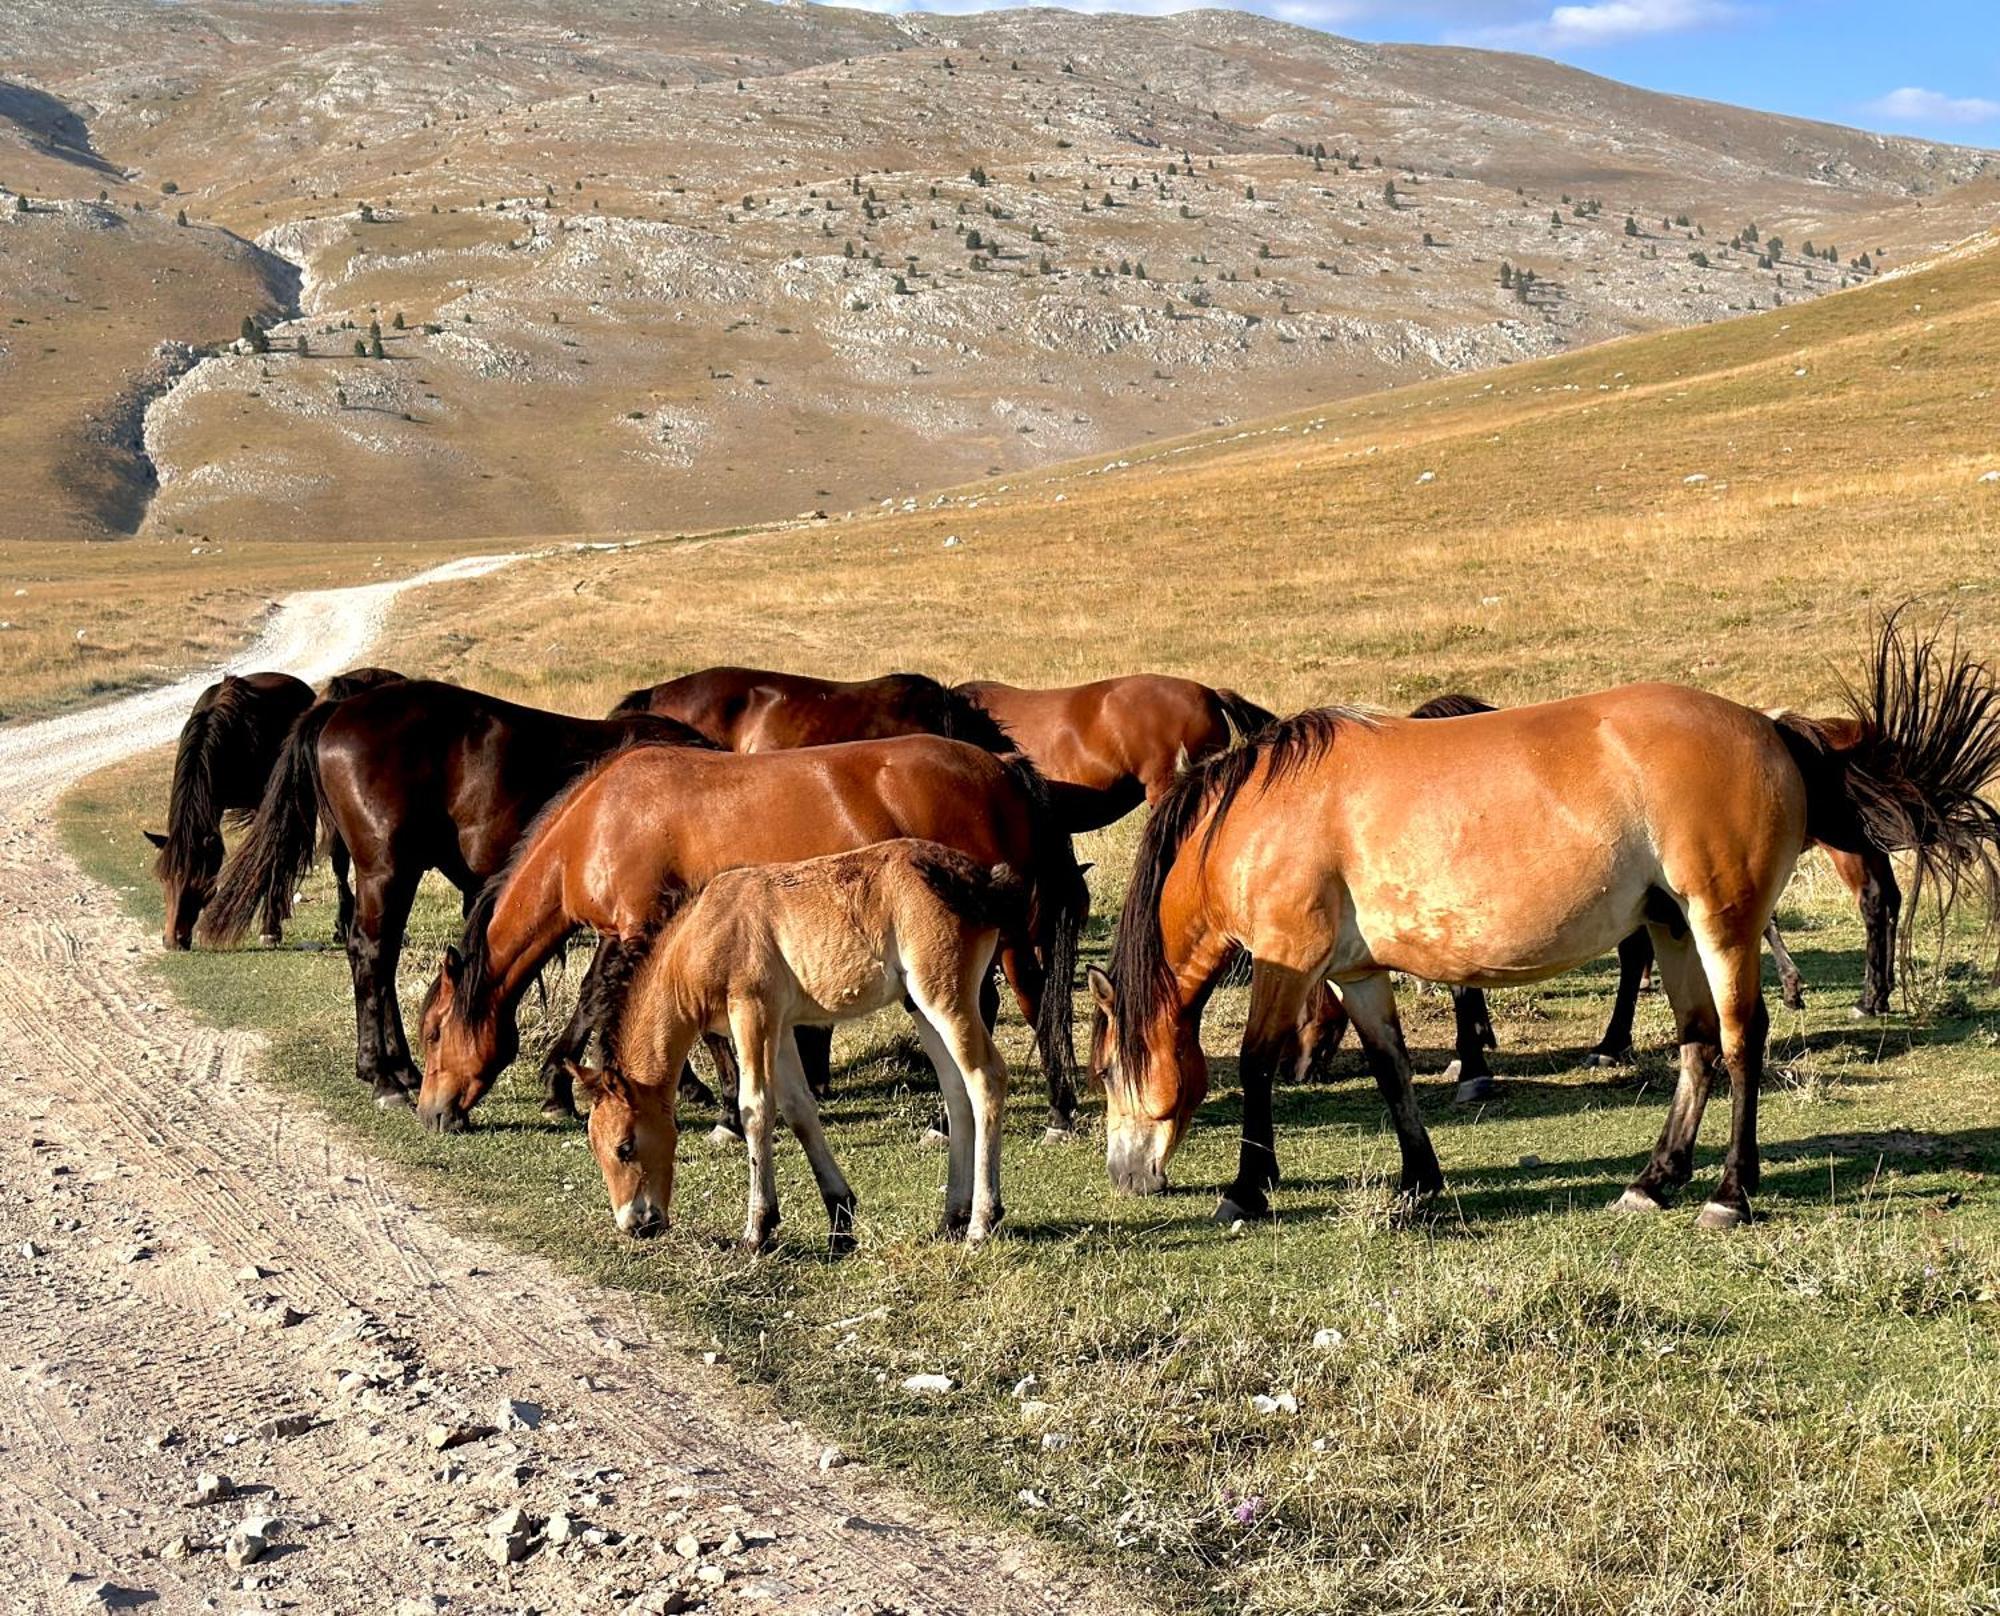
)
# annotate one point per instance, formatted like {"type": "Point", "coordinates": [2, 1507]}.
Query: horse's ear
{"type": "Point", "coordinates": [1182, 762]}
{"type": "Point", "coordinates": [453, 964]}
{"type": "Point", "coordinates": [155, 838]}
{"type": "Point", "coordinates": [588, 1080]}
{"type": "Point", "coordinates": [1101, 989]}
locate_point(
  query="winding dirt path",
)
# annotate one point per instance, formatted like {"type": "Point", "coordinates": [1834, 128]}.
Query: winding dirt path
{"type": "Point", "coordinates": [186, 1258]}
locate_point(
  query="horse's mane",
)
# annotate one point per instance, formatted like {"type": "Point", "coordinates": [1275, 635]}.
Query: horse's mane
{"type": "Point", "coordinates": [1139, 964]}
{"type": "Point", "coordinates": [950, 712]}
{"type": "Point", "coordinates": [192, 815]}
{"type": "Point", "coordinates": [475, 985]}
{"type": "Point", "coordinates": [1456, 705]}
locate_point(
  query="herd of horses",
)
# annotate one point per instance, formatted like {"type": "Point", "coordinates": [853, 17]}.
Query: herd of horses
{"type": "Point", "coordinates": [760, 856]}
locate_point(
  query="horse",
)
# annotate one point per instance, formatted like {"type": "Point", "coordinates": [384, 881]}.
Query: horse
{"type": "Point", "coordinates": [413, 776]}
{"type": "Point", "coordinates": [758, 951]}
{"type": "Point", "coordinates": [1108, 746]}
{"type": "Point", "coordinates": [221, 764]}
{"type": "Point", "coordinates": [654, 820]}
{"type": "Point", "coordinates": [1869, 875]}
{"type": "Point", "coordinates": [1507, 847]}
{"type": "Point", "coordinates": [757, 710]}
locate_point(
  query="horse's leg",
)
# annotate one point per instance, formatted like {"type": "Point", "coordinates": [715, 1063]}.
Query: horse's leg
{"type": "Point", "coordinates": [1881, 902]}
{"type": "Point", "coordinates": [1635, 959]}
{"type": "Point", "coordinates": [983, 1081]}
{"type": "Point", "coordinates": [795, 1099]}
{"type": "Point", "coordinates": [1790, 984]}
{"type": "Point", "coordinates": [728, 1128]}
{"type": "Point", "coordinates": [1472, 1037]}
{"type": "Point", "coordinates": [1278, 996]}
{"type": "Point", "coordinates": [757, 1056]}
{"type": "Point", "coordinates": [1024, 974]}
{"type": "Point", "coordinates": [1736, 979]}
{"type": "Point", "coordinates": [590, 1016]}
{"type": "Point", "coordinates": [374, 943]}
{"type": "Point", "coordinates": [815, 1047]}
{"type": "Point", "coordinates": [1699, 1032]}
{"type": "Point", "coordinates": [959, 1133]}
{"type": "Point", "coordinates": [343, 906]}
{"type": "Point", "coordinates": [1372, 1003]}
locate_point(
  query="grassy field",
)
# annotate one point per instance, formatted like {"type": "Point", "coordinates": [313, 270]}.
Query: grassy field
{"type": "Point", "coordinates": [1529, 1404]}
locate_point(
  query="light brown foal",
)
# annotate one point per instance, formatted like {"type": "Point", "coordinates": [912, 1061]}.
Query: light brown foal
{"type": "Point", "coordinates": [761, 950]}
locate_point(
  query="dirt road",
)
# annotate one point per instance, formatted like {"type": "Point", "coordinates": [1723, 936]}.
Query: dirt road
{"type": "Point", "coordinates": [196, 1279]}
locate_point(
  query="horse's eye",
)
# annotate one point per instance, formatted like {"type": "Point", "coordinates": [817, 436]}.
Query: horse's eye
{"type": "Point", "coordinates": [627, 1149]}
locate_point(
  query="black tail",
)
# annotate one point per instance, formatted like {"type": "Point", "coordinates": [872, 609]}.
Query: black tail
{"type": "Point", "coordinates": [194, 821]}
{"type": "Point", "coordinates": [272, 859]}
{"type": "Point", "coordinates": [1915, 780]}
{"type": "Point", "coordinates": [1243, 714]}
{"type": "Point", "coordinates": [1058, 907]}
{"type": "Point", "coordinates": [995, 897]}
{"type": "Point", "coordinates": [1456, 705]}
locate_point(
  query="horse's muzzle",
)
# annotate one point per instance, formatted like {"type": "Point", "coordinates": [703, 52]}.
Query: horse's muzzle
{"type": "Point", "coordinates": [1134, 1168]}
{"type": "Point", "coordinates": [443, 1118]}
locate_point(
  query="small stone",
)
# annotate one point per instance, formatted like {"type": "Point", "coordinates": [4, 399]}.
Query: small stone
{"type": "Point", "coordinates": [285, 1425]}
{"type": "Point", "coordinates": [137, 1254]}
{"type": "Point", "coordinates": [166, 1437]}
{"type": "Point", "coordinates": [714, 1575]}
{"type": "Point", "coordinates": [1283, 1403]}
{"type": "Point", "coordinates": [688, 1546]}
{"type": "Point", "coordinates": [178, 1547]}
{"type": "Point", "coordinates": [1035, 1409]}
{"type": "Point", "coordinates": [732, 1544]}
{"type": "Point", "coordinates": [251, 1273]}
{"type": "Point", "coordinates": [212, 1489]}
{"type": "Point", "coordinates": [242, 1549]}
{"type": "Point", "coordinates": [283, 1317]}
{"type": "Point", "coordinates": [831, 1458]}
{"type": "Point", "coordinates": [440, 1437]}
{"type": "Point", "coordinates": [30, 1250]}
{"type": "Point", "coordinates": [927, 1385]}
{"type": "Point", "coordinates": [1328, 1340]}
{"type": "Point", "coordinates": [711, 1358]}
{"type": "Point", "coordinates": [561, 1528]}
{"type": "Point", "coordinates": [1531, 1160]}
{"type": "Point", "coordinates": [514, 1415]}
{"type": "Point", "coordinates": [510, 1536]}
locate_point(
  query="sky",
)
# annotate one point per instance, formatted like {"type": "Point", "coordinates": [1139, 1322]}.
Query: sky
{"type": "Point", "coordinates": [1917, 67]}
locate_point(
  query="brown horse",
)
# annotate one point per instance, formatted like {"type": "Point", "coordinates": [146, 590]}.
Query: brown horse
{"type": "Point", "coordinates": [222, 763]}
{"type": "Point", "coordinates": [653, 822]}
{"type": "Point", "coordinates": [1508, 847]}
{"type": "Point", "coordinates": [413, 776]}
{"type": "Point", "coordinates": [1106, 747]}
{"type": "Point", "coordinates": [759, 951]}
{"type": "Point", "coordinates": [757, 710]}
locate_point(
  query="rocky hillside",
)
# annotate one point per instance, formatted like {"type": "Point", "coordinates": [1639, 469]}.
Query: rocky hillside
{"type": "Point", "coordinates": [691, 263]}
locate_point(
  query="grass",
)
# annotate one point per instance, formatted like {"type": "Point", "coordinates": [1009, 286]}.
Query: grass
{"type": "Point", "coordinates": [1531, 1404]}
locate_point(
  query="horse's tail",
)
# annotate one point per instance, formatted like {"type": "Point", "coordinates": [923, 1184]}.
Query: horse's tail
{"type": "Point", "coordinates": [1243, 715]}
{"type": "Point", "coordinates": [194, 819]}
{"type": "Point", "coordinates": [1456, 705]}
{"type": "Point", "coordinates": [272, 859]}
{"type": "Point", "coordinates": [995, 897]}
{"type": "Point", "coordinates": [1914, 781]}
{"type": "Point", "coordinates": [1058, 904]}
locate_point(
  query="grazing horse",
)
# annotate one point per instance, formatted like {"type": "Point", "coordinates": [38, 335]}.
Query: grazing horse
{"type": "Point", "coordinates": [1109, 746]}
{"type": "Point", "coordinates": [656, 821]}
{"type": "Point", "coordinates": [412, 776]}
{"type": "Point", "coordinates": [759, 951]}
{"type": "Point", "coordinates": [221, 765]}
{"type": "Point", "coordinates": [1508, 847]}
{"type": "Point", "coordinates": [756, 710]}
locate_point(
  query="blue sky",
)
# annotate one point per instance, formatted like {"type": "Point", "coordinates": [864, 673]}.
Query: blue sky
{"type": "Point", "coordinates": [1918, 67]}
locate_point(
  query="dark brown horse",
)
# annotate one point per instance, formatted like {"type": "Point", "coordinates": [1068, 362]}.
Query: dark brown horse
{"type": "Point", "coordinates": [757, 710]}
{"type": "Point", "coordinates": [1508, 847]}
{"type": "Point", "coordinates": [1108, 746]}
{"type": "Point", "coordinates": [221, 765]}
{"type": "Point", "coordinates": [411, 777]}
{"type": "Point", "coordinates": [655, 822]}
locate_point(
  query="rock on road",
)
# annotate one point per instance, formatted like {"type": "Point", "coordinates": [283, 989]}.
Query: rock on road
{"type": "Point", "coordinates": [242, 1368]}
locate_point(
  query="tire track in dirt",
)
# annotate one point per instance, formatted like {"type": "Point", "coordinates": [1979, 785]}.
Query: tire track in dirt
{"type": "Point", "coordinates": [186, 1256]}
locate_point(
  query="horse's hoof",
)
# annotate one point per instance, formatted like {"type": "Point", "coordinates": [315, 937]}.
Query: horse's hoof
{"type": "Point", "coordinates": [269, 939]}
{"type": "Point", "coordinates": [1721, 1218]}
{"type": "Point", "coordinates": [1636, 1200]}
{"type": "Point", "coordinates": [1054, 1135]}
{"type": "Point", "coordinates": [841, 1244]}
{"type": "Point", "coordinates": [1474, 1089]}
{"type": "Point", "coordinates": [719, 1135]}
{"type": "Point", "coordinates": [1597, 1059]}
{"type": "Point", "coordinates": [392, 1097]}
{"type": "Point", "coordinates": [1229, 1212]}
{"type": "Point", "coordinates": [935, 1139]}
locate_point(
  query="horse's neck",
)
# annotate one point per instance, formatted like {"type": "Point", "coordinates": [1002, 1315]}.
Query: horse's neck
{"type": "Point", "coordinates": [1198, 948]}
{"type": "Point", "coordinates": [663, 1021]}
{"type": "Point", "coordinates": [528, 924]}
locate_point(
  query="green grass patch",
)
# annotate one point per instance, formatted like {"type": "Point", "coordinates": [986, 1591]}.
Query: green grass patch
{"type": "Point", "coordinates": [1527, 1404]}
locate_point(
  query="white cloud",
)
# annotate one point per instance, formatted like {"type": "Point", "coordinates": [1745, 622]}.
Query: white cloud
{"type": "Point", "coordinates": [1607, 22]}
{"type": "Point", "coordinates": [1912, 105]}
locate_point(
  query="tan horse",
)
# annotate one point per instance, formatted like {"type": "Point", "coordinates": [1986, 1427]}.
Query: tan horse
{"type": "Point", "coordinates": [1508, 847]}
{"type": "Point", "coordinates": [762, 950]}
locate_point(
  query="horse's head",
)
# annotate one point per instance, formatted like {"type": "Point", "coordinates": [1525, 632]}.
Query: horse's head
{"type": "Point", "coordinates": [187, 883]}
{"type": "Point", "coordinates": [463, 1054]}
{"type": "Point", "coordinates": [1146, 1115]}
{"type": "Point", "coordinates": [633, 1135]}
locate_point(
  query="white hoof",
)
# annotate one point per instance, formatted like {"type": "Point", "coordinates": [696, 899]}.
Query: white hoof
{"type": "Point", "coordinates": [1720, 1218]}
{"type": "Point", "coordinates": [1636, 1200]}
